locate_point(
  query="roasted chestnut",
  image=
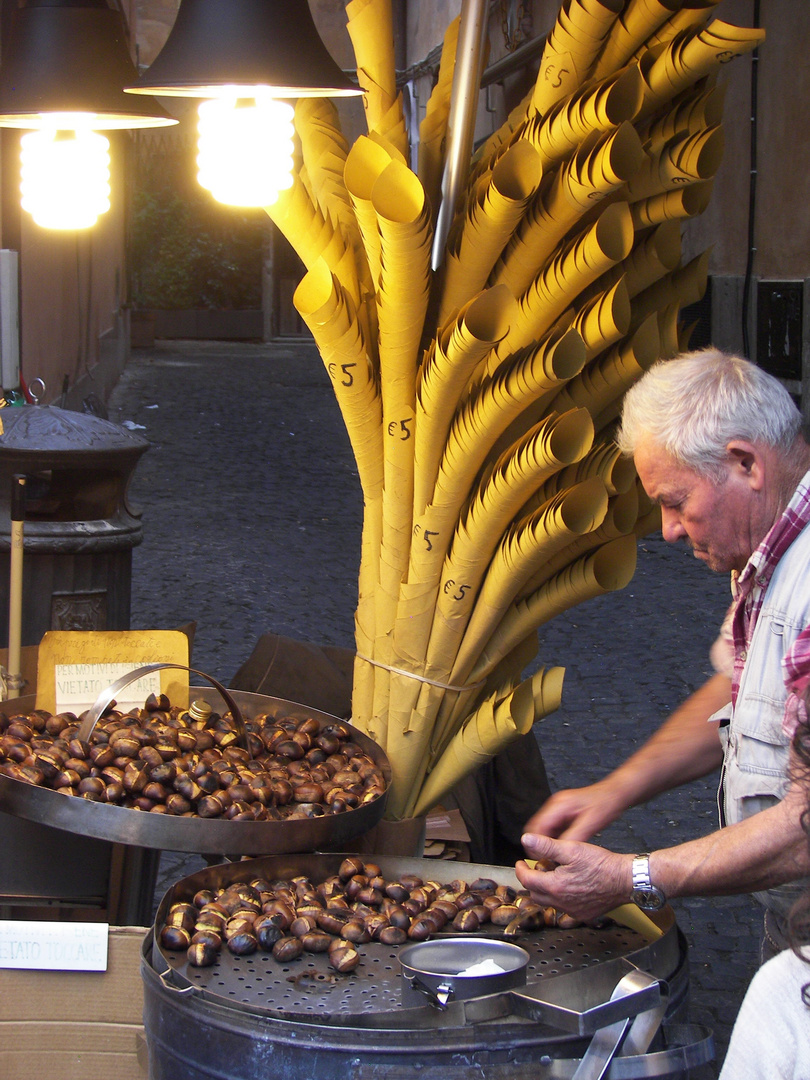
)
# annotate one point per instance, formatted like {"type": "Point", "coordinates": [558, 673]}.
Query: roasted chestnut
{"type": "Point", "coordinates": [287, 948]}
{"type": "Point", "coordinates": [175, 938]}
{"type": "Point", "coordinates": [207, 937]}
{"type": "Point", "coordinates": [182, 915]}
{"type": "Point", "coordinates": [302, 924]}
{"type": "Point", "coordinates": [503, 915]}
{"type": "Point", "coordinates": [466, 921]}
{"type": "Point", "coordinates": [421, 929]}
{"type": "Point", "coordinates": [393, 935]}
{"type": "Point", "coordinates": [316, 941]}
{"type": "Point", "coordinates": [267, 932]}
{"type": "Point", "coordinates": [344, 957]}
{"type": "Point", "coordinates": [356, 932]}
{"type": "Point", "coordinates": [349, 867]}
{"type": "Point", "coordinates": [243, 943]}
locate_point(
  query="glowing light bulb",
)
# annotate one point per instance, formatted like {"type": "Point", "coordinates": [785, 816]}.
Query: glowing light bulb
{"type": "Point", "coordinates": [245, 149]}
{"type": "Point", "coordinates": [65, 175]}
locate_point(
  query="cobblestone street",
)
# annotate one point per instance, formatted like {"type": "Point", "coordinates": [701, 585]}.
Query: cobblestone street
{"type": "Point", "coordinates": [252, 517]}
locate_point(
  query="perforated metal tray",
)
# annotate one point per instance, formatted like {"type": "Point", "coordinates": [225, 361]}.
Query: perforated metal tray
{"type": "Point", "coordinates": [308, 989]}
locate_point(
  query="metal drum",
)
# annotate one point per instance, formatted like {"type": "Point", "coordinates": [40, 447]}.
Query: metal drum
{"type": "Point", "coordinates": [213, 837]}
{"type": "Point", "coordinates": [251, 1017]}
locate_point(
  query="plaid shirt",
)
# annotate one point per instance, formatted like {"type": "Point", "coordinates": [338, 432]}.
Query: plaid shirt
{"type": "Point", "coordinates": [749, 589]}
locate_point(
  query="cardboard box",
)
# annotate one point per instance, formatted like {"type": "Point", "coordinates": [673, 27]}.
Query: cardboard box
{"type": "Point", "coordinates": [77, 1025]}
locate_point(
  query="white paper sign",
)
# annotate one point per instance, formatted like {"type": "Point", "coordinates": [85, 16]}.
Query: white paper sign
{"type": "Point", "coordinates": [78, 686]}
{"type": "Point", "coordinates": [53, 946]}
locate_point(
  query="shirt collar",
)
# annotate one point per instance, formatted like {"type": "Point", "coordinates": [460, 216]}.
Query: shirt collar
{"type": "Point", "coordinates": [760, 567]}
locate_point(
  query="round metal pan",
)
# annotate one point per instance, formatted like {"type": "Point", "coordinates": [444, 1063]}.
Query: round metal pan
{"type": "Point", "coordinates": [308, 990]}
{"type": "Point", "coordinates": [200, 835]}
{"type": "Point", "coordinates": [440, 968]}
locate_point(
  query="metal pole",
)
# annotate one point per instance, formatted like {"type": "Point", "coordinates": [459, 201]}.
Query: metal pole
{"type": "Point", "coordinates": [15, 587]}
{"type": "Point", "coordinates": [461, 121]}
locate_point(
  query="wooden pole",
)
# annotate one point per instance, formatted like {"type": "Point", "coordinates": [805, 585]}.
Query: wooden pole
{"type": "Point", "coordinates": [15, 587]}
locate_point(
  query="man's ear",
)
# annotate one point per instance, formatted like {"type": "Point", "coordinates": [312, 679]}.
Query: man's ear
{"type": "Point", "coordinates": [748, 462]}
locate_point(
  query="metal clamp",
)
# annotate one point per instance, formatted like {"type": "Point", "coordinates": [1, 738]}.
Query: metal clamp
{"type": "Point", "coordinates": [9, 682]}
{"type": "Point", "coordinates": [439, 997]}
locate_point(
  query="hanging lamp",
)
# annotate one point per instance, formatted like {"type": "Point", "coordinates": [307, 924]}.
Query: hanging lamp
{"type": "Point", "coordinates": [65, 64]}
{"type": "Point", "coordinates": [246, 56]}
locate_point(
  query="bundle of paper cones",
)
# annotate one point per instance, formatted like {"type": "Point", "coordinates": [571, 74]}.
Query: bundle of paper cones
{"type": "Point", "coordinates": [480, 398]}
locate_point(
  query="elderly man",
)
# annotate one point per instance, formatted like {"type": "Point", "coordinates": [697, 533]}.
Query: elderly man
{"type": "Point", "coordinates": [717, 444]}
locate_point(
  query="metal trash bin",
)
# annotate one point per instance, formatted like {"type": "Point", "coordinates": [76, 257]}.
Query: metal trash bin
{"type": "Point", "coordinates": [79, 527]}
{"type": "Point", "coordinates": [77, 575]}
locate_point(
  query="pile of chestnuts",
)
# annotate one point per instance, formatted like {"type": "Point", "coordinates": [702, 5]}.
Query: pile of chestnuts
{"type": "Point", "coordinates": [167, 760]}
{"type": "Point", "coordinates": [291, 917]}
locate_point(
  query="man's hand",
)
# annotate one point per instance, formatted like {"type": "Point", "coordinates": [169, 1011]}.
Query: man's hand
{"type": "Point", "coordinates": [577, 813]}
{"type": "Point", "coordinates": [768, 848]}
{"type": "Point", "coordinates": [586, 882]}
{"type": "Point", "coordinates": [685, 747]}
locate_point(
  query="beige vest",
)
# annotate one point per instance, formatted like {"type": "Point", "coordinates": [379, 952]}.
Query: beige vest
{"type": "Point", "coordinates": [756, 749]}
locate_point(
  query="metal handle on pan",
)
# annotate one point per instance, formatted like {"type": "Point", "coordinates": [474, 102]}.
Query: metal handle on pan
{"type": "Point", "coordinates": [107, 696]}
{"type": "Point", "coordinates": [623, 1025]}
{"type": "Point", "coordinates": [633, 1034]}
{"type": "Point", "coordinates": [438, 998]}
{"type": "Point", "coordinates": [165, 981]}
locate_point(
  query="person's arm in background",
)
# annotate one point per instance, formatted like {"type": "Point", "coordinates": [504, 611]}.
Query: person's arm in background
{"type": "Point", "coordinates": [684, 748]}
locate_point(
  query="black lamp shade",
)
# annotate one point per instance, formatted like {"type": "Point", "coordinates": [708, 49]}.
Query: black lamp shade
{"type": "Point", "coordinates": [71, 59]}
{"type": "Point", "coordinates": [247, 43]}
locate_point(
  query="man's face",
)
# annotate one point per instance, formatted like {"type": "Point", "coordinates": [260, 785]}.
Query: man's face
{"type": "Point", "coordinates": [713, 518]}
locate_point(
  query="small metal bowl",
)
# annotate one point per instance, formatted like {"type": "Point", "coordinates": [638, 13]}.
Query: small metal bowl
{"type": "Point", "coordinates": [436, 969]}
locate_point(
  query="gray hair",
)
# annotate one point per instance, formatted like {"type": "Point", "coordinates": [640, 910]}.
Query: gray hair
{"type": "Point", "coordinates": [693, 405]}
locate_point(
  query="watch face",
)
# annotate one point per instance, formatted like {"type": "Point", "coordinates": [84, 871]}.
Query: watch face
{"type": "Point", "coordinates": [648, 899]}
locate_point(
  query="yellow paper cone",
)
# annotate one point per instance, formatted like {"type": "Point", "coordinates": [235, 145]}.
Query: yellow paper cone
{"type": "Point", "coordinates": [609, 568]}
{"type": "Point", "coordinates": [489, 731]}
{"type": "Point", "coordinates": [638, 21]}
{"type": "Point", "coordinates": [571, 49]}
{"type": "Point", "coordinates": [444, 375]}
{"type": "Point", "coordinates": [574, 512]}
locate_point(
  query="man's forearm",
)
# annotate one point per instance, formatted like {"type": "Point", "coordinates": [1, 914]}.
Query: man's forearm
{"type": "Point", "coordinates": [767, 849]}
{"type": "Point", "coordinates": [685, 747]}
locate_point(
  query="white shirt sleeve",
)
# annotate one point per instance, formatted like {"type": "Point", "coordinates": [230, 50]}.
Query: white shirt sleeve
{"type": "Point", "coordinates": [771, 1036]}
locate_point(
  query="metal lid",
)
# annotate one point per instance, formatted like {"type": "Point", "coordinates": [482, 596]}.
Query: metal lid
{"type": "Point", "coordinates": [48, 429]}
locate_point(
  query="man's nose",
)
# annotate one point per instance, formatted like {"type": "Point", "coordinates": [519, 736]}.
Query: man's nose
{"type": "Point", "coordinates": [671, 525]}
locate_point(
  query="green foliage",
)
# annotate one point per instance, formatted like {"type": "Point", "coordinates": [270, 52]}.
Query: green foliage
{"type": "Point", "coordinates": [185, 249]}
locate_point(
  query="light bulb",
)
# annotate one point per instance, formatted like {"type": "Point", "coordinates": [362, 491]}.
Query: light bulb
{"type": "Point", "coordinates": [65, 176]}
{"type": "Point", "coordinates": [245, 149]}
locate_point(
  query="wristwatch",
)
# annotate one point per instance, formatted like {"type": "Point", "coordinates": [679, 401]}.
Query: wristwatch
{"type": "Point", "coordinates": [648, 896]}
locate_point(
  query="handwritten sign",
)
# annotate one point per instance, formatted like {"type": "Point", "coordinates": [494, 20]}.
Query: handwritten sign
{"type": "Point", "coordinates": [74, 666]}
{"type": "Point", "coordinates": [78, 686]}
{"type": "Point", "coordinates": [53, 946]}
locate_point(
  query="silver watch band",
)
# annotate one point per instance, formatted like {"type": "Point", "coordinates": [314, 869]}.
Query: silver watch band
{"type": "Point", "coordinates": [641, 871]}
{"type": "Point", "coordinates": [649, 897]}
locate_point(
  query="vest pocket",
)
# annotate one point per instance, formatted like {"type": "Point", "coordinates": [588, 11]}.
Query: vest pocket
{"type": "Point", "coordinates": [754, 777]}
